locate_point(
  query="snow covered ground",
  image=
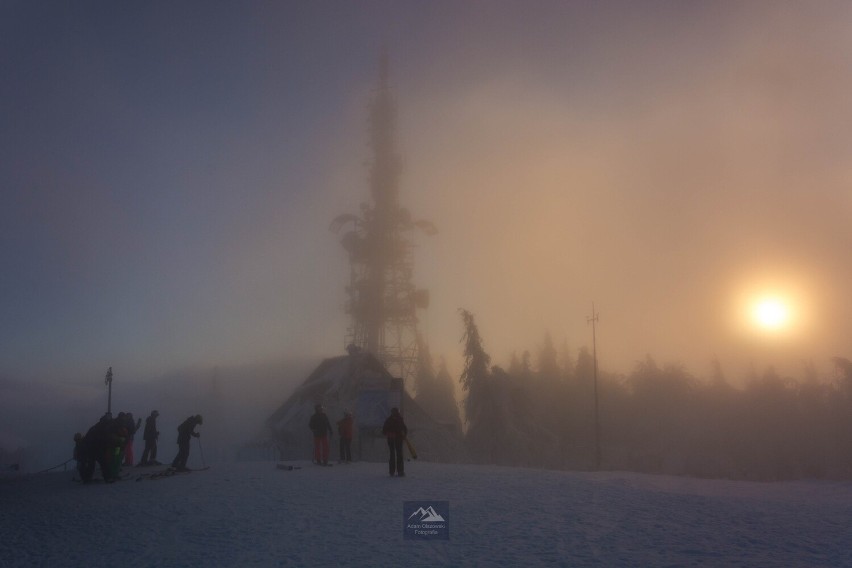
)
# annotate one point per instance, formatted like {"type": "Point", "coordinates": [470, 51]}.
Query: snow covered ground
{"type": "Point", "coordinates": [253, 514]}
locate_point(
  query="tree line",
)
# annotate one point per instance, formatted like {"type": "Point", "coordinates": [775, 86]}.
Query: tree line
{"type": "Point", "coordinates": [539, 412]}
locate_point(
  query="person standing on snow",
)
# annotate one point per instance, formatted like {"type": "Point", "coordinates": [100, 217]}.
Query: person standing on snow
{"type": "Point", "coordinates": [80, 455]}
{"type": "Point", "coordinates": [149, 454]}
{"type": "Point", "coordinates": [396, 431]}
{"type": "Point", "coordinates": [95, 449]}
{"type": "Point", "coordinates": [321, 428]}
{"type": "Point", "coordinates": [344, 430]}
{"type": "Point", "coordinates": [116, 440]}
{"type": "Point", "coordinates": [185, 431]}
{"type": "Point", "coordinates": [131, 426]}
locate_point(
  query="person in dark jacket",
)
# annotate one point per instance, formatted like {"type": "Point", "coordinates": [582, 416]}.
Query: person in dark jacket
{"type": "Point", "coordinates": [395, 430]}
{"type": "Point", "coordinates": [131, 426]}
{"type": "Point", "coordinates": [345, 427]}
{"type": "Point", "coordinates": [94, 450]}
{"type": "Point", "coordinates": [150, 435]}
{"type": "Point", "coordinates": [114, 438]}
{"type": "Point", "coordinates": [321, 428]}
{"type": "Point", "coordinates": [80, 455]}
{"type": "Point", "coordinates": [185, 431]}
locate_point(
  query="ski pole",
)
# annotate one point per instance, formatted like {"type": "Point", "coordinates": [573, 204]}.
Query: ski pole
{"type": "Point", "coordinates": [201, 450]}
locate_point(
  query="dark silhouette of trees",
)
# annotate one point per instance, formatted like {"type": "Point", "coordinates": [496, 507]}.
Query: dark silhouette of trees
{"type": "Point", "coordinates": [658, 418]}
{"type": "Point", "coordinates": [483, 405]}
{"type": "Point", "coordinates": [476, 360]}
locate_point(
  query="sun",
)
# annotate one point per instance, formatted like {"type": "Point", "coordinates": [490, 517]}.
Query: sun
{"type": "Point", "coordinates": [774, 306]}
{"type": "Point", "coordinates": [771, 313]}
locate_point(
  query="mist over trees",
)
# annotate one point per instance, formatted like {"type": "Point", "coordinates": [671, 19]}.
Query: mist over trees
{"type": "Point", "coordinates": [657, 419]}
{"type": "Point", "coordinates": [434, 390]}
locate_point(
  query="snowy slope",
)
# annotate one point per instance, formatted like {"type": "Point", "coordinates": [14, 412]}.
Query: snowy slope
{"type": "Point", "coordinates": [252, 514]}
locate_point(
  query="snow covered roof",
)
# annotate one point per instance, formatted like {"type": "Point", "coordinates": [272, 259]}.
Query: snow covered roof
{"type": "Point", "coordinates": [336, 380]}
{"type": "Point", "coordinates": [343, 384]}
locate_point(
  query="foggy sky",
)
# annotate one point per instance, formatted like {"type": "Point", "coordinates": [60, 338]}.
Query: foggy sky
{"type": "Point", "coordinates": [170, 172]}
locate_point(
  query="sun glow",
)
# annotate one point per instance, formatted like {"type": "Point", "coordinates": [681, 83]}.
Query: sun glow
{"type": "Point", "coordinates": [771, 313]}
{"type": "Point", "coordinates": [772, 304]}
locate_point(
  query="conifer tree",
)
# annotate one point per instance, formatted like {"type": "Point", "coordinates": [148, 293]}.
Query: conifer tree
{"type": "Point", "coordinates": [435, 392]}
{"type": "Point", "coordinates": [566, 361]}
{"type": "Point", "coordinates": [476, 360]}
{"type": "Point", "coordinates": [475, 381]}
{"type": "Point", "coordinates": [548, 367]}
{"type": "Point", "coordinates": [515, 365]}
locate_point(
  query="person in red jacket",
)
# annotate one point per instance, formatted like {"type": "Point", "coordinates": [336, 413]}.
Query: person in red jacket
{"type": "Point", "coordinates": [344, 430]}
{"type": "Point", "coordinates": [321, 428]}
{"type": "Point", "coordinates": [151, 434]}
{"type": "Point", "coordinates": [395, 430]}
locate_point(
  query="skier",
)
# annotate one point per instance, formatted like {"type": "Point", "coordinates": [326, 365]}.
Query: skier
{"type": "Point", "coordinates": [321, 428]}
{"type": "Point", "coordinates": [344, 430]}
{"type": "Point", "coordinates": [94, 449]}
{"type": "Point", "coordinates": [131, 427]}
{"type": "Point", "coordinates": [185, 431]}
{"type": "Point", "coordinates": [80, 454]}
{"type": "Point", "coordinates": [116, 438]}
{"type": "Point", "coordinates": [396, 431]}
{"type": "Point", "coordinates": [149, 454]}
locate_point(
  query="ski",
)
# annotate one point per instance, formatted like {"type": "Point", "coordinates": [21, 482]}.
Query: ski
{"type": "Point", "coordinates": [169, 472]}
{"type": "Point", "coordinates": [411, 448]}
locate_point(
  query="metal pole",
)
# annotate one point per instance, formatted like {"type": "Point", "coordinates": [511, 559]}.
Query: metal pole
{"type": "Point", "coordinates": [593, 320]}
{"type": "Point", "coordinates": [108, 381]}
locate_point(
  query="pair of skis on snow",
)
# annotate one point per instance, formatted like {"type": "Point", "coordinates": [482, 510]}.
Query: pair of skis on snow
{"type": "Point", "coordinates": [168, 472]}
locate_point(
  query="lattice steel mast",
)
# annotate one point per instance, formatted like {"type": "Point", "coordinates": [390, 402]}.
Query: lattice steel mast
{"type": "Point", "coordinates": [382, 299]}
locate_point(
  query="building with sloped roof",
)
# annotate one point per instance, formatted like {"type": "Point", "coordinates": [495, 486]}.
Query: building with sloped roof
{"type": "Point", "coordinates": [359, 383]}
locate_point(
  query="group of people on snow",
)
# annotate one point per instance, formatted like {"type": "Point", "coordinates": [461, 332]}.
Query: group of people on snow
{"type": "Point", "coordinates": [394, 430]}
{"type": "Point", "coordinates": [109, 445]}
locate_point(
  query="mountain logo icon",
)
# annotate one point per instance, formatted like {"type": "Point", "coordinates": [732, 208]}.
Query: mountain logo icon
{"type": "Point", "coordinates": [428, 514]}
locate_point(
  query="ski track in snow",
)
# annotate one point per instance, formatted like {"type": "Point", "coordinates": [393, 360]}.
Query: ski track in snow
{"type": "Point", "coordinates": [252, 514]}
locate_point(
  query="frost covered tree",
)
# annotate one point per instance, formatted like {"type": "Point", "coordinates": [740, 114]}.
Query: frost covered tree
{"type": "Point", "coordinates": [526, 366]}
{"type": "Point", "coordinates": [435, 391]}
{"type": "Point", "coordinates": [662, 399]}
{"type": "Point", "coordinates": [548, 365]}
{"type": "Point", "coordinates": [550, 396]}
{"type": "Point", "coordinates": [578, 425]}
{"type": "Point", "coordinates": [476, 360]}
{"type": "Point", "coordinates": [566, 361]}
{"type": "Point", "coordinates": [481, 399]}
{"type": "Point", "coordinates": [514, 365]}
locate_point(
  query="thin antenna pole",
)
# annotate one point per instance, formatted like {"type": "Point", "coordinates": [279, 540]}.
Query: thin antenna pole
{"type": "Point", "coordinates": [593, 320]}
{"type": "Point", "coordinates": [108, 381]}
